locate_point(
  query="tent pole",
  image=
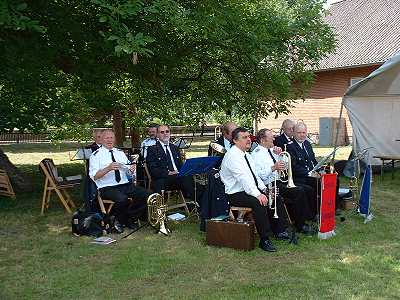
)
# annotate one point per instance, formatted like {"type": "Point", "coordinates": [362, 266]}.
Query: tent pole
{"type": "Point", "coordinates": [337, 131]}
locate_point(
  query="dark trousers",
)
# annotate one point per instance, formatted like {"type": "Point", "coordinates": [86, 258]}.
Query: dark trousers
{"type": "Point", "coordinates": [123, 209]}
{"type": "Point", "coordinates": [90, 196]}
{"type": "Point", "coordinates": [312, 186]}
{"type": "Point", "coordinates": [297, 202]}
{"type": "Point", "coordinates": [173, 182]}
{"type": "Point", "coordinates": [263, 216]}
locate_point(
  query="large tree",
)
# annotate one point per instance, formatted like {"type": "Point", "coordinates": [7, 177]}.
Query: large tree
{"type": "Point", "coordinates": [71, 64]}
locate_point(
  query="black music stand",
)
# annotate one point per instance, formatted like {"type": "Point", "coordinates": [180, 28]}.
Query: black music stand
{"type": "Point", "coordinates": [198, 166]}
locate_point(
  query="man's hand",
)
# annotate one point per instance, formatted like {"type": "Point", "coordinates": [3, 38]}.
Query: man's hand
{"type": "Point", "coordinates": [262, 199]}
{"type": "Point", "coordinates": [279, 166]}
{"type": "Point", "coordinates": [172, 172]}
{"type": "Point", "coordinates": [277, 150]}
{"type": "Point", "coordinates": [132, 167]}
{"type": "Point", "coordinates": [113, 166]}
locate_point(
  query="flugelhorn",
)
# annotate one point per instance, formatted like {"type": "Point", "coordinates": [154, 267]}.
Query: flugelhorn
{"type": "Point", "coordinates": [272, 194]}
{"type": "Point", "coordinates": [285, 157]}
{"type": "Point", "coordinates": [156, 213]}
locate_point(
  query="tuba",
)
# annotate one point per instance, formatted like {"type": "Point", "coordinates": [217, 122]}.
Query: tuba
{"type": "Point", "coordinates": [285, 157]}
{"type": "Point", "coordinates": [156, 213]}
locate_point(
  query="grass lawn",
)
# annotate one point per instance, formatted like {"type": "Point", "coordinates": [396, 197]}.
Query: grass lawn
{"type": "Point", "coordinates": [40, 259]}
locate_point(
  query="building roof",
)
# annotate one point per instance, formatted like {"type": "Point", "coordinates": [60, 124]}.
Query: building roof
{"type": "Point", "coordinates": [368, 32]}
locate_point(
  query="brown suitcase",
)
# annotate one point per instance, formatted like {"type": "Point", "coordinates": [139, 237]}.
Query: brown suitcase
{"type": "Point", "coordinates": [231, 234]}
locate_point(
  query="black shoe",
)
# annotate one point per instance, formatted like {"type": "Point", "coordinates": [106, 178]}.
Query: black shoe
{"type": "Point", "coordinates": [282, 236]}
{"type": "Point", "coordinates": [267, 245]}
{"type": "Point", "coordinates": [118, 227]}
{"type": "Point", "coordinates": [133, 225]}
{"type": "Point", "coordinates": [306, 230]}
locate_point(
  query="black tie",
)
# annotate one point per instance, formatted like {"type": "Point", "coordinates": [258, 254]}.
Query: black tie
{"type": "Point", "coordinates": [170, 165]}
{"type": "Point", "coordinates": [273, 158]}
{"type": "Point", "coordinates": [117, 173]}
{"type": "Point", "coordinates": [252, 173]}
{"type": "Point", "coordinates": [310, 164]}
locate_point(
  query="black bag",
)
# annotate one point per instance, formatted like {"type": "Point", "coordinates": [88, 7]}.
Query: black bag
{"type": "Point", "coordinates": [92, 224]}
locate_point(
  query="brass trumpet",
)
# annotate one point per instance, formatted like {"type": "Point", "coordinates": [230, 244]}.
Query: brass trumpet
{"type": "Point", "coordinates": [285, 157]}
{"type": "Point", "coordinates": [156, 213]}
{"type": "Point", "coordinates": [272, 194]}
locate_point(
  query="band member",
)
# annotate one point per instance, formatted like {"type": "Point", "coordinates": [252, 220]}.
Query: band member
{"type": "Point", "coordinates": [90, 188]}
{"type": "Point", "coordinates": [150, 140]}
{"type": "Point", "coordinates": [244, 188]}
{"type": "Point", "coordinates": [225, 140]}
{"type": "Point", "coordinates": [107, 168]}
{"type": "Point", "coordinates": [267, 164]}
{"type": "Point", "coordinates": [164, 162]}
{"type": "Point", "coordinates": [286, 134]}
{"type": "Point", "coordinates": [303, 161]}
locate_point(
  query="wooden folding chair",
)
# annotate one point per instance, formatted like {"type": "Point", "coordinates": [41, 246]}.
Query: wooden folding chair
{"type": "Point", "coordinates": [181, 201]}
{"type": "Point", "coordinates": [5, 185]}
{"type": "Point", "coordinates": [55, 183]}
{"type": "Point", "coordinates": [103, 203]}
{"type": "Point", "coordinates": [241, 213]}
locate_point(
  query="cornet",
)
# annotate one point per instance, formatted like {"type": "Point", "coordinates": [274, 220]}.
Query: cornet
{"type": "Point", "coordinates": [285, 157]}
{"type": "Point", "coordinates": [272, 194]}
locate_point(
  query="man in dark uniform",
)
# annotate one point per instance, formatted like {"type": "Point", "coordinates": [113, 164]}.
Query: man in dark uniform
{"type": "Point", "coordinates": [286, 134]}
{"type": "Point", "coordinates": [225, 140]}
{"type": "Point", "coordinates": [164, 162]}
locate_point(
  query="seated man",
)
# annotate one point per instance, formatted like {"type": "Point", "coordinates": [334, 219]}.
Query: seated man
{"type": "Point", "coordinates": [90, 188]}
{"type": "Point", "coordinates": [244, 188]}
{"type": "Point", "coordinates": [286, 134]}
{"type": "Point", "coordinates": [107, 167]}
{"type": "Point", "coordinates": [150, 140]}
{"type": "Point", "coordinates": [303, 161]}
{"type": "Point", "coordinates": [225, 140]}
{"type": "Point", "coordinates": [164, 162]}
{"type": "Point", "coordinates": [267, 167]}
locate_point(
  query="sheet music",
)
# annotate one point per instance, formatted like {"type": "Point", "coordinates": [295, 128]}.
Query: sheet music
{"type": "Point", "coordinates": [323, 160]}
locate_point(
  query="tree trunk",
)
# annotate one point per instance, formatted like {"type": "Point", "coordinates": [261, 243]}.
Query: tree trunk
{"type": "Point", "coordinates": [135, 137]}
{"type": "Point", "coordinates": [117, 126]}
{"type": "Point", "coordinates": [19, 181]}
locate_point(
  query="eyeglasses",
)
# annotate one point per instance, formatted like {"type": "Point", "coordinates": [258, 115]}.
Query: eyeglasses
{"type": "Point", "coordinates": [164, 131]}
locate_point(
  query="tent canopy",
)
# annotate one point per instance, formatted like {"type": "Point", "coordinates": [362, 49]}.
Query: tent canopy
{"type": "Point", "coordinates": [373, 106]}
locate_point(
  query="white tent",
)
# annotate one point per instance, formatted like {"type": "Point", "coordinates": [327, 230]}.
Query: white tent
{"type": "Point", "coordinates": [373, 106]}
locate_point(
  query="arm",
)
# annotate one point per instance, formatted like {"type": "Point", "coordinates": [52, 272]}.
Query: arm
{"type": "Point", "coordinates": [156, 168]}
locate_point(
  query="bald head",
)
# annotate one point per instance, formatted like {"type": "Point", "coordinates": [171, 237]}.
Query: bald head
{"type": "Point", "coordinates": [227, 129]}
{"type": "Point", "coordinates": [287, 127]}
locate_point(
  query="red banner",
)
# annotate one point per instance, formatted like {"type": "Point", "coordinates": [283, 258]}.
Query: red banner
{"type": "Point", "coordinates": [328, 199]}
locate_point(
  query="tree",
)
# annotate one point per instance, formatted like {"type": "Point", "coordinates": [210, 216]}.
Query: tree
{"type": "Point", "coordinates": [70, 64]}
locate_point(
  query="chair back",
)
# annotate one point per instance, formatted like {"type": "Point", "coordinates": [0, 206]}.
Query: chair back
{"type": "Point", "coordinates": [147, 172]}
{"type": "Point", "coordinates": [5, 184]}
{"type": "Point", "coordinates": [49, 170]}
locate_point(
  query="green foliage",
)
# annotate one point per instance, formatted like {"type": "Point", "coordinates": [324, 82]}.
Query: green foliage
{"type": "Point", "coordinates": [177, 61]}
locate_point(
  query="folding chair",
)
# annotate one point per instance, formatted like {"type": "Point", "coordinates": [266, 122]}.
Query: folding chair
{"type": "Point", "coordinates": [182, 203]}
{"type": "Point", "coordinates": [5, 185]}
{"type": "Point", "coordinates": [55, 183]}
{"type": "Point", "coordinates": [103, 203]}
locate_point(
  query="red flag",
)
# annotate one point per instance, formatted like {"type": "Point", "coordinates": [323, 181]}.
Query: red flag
{"type": "Point", "coordinates": [327, 213]}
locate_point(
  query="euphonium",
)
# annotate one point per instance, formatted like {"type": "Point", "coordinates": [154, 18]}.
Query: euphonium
{"type": "Point", "coordinates": [156, 212]}
{"type": "Point", "coordinates": [285, 157]}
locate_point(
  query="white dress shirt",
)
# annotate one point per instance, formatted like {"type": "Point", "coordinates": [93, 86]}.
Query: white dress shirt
{"type": "Point", "coordinates": [100, 159]}
{"type": "Point", "coordinates": [146, 144]}
{"type": "Point", "coordinates": [236, 175]}
{"type": "Point", "coordinates": [164, 146]}
{"type": "Point", "coordinates": [264, 163]}
{"type": "Point", "coordinates": [227, 144]}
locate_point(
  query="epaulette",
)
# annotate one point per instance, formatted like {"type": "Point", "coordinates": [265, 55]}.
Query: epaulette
{"type": "Point", "coordinates": [290, 142]}
{"type": "Point", "coordinates": [257, 149]}
{"type": "Point", "coordinates": [95, 152]}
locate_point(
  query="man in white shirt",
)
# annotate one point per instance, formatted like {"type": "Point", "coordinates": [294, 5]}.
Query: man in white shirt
{"type": "Point", "coordinates": [244, 188]}
{"type": "Point", "coordinates": [107, 168]}
{"type": "Point", "coordinates": [149, 141]}
{"type": "Point", "coordinates": [268, 165]}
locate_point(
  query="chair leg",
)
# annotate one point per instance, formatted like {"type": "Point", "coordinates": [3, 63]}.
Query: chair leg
{"type": "Point", "coordinates": [45, 196]}
{"type": "Point", "coordinates": [69, 199]}
{"type": "Point", "coordinates": [63, 201]}
{"type": "Point", "coordinates": [184, 202]}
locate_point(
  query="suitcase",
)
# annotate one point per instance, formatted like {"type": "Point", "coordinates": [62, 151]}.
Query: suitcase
{"type": "Point", "coordinates": [231, 234]}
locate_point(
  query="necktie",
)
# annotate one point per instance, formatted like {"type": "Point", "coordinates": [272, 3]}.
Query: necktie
{"type": "Point", "coordinates": [252, 173]}
{"type": "Point", "coordinates": [310, 164]}
{"type": "Point", "coordinates": [273, 158]}
{"type": "Point", "coordinates": [117, 173]}
{"type": "Point", "coordinates": [169, 160]}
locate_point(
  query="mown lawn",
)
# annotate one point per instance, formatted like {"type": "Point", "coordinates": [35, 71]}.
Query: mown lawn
{"type": "Point", "coordinates": [40, 259]}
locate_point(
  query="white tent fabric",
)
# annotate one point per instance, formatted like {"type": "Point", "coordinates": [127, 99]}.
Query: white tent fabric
{"type": "Point", "coordinates": [373, 106]}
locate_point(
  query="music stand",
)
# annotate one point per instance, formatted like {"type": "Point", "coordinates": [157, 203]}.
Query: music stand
{"type": "Point", "coordinates": [81, 154]}
{"type": "Point", "coordinates": [197, 166]}
{"type": "Point", "coordinates": [324, 160]}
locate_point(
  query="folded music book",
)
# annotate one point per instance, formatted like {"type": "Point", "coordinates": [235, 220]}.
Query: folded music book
{"type": "Point", "coordinates": [103, 240]}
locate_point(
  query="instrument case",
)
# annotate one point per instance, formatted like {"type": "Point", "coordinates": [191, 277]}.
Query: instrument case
{"type": "Point", "coordinates": [230, 234]}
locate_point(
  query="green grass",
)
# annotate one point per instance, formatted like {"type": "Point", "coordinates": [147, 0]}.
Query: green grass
{"type": "Point", "coordinates": [40, 259]}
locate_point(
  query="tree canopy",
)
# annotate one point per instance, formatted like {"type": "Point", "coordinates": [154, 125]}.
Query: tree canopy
{"type": "Point", "coordinates": [74, 63]}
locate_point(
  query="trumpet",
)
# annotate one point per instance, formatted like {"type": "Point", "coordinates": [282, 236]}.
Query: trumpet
{"type": "Point", "coordinates": [272, 194]}
{"type": "Point", "coordinates": [285, 157]}
{"type": "Point", "coordinates": [156, 212]}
